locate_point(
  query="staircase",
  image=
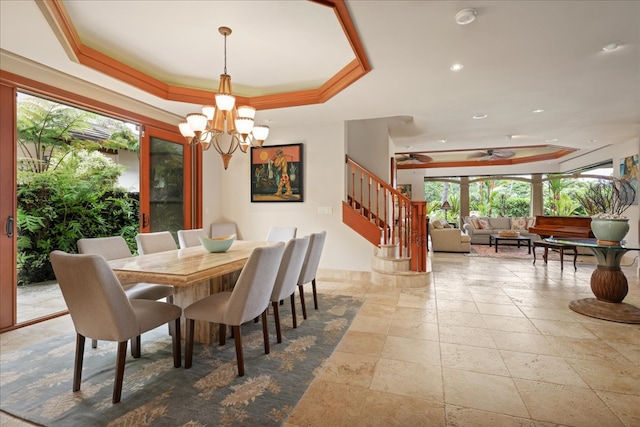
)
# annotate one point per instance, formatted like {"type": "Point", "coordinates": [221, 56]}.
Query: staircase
{"type": "Point", "coordinates": [394, 224]}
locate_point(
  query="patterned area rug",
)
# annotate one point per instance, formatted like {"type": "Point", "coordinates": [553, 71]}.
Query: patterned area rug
{"type": "Point", "coordinates": [36, 382]}
{"type": "Point", "coordinates": [515, 252]}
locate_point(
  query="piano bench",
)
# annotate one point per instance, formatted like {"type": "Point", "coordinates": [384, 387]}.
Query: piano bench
{"type": "Point", "coordinates": [560, 247]}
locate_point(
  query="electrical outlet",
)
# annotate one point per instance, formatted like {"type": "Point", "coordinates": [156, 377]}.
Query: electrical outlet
{"type": "Point", "coordinates": [325, 210]}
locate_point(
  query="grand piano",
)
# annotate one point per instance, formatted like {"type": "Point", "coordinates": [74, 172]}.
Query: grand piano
{"type": "Point", "coordinates": [562, 226]}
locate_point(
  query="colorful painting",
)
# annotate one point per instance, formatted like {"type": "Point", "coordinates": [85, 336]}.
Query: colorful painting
{"type": "Point", "coordinates": [405, 190]}
{"type": "Point", "coordinates": [276, 173]}
{"type": "Point", "coordinates": [629, 171]}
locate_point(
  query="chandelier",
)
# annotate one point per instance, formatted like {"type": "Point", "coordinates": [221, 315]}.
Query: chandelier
{"type": "Point", "coordinates": [222, 125]}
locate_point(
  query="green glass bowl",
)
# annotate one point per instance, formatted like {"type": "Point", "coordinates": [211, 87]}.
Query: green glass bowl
{"type": "Point", "coordinates": [220, 244]}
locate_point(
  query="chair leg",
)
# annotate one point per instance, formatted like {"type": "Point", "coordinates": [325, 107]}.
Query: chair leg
{"type": "Point", "coordinates": [294, 316]}
{"type": "Point", "coordinates": [94, 343]}
{"type": "Point", "coordinates": [77, 367]}
{"type": "Point", "coordinates": [276, 318]}
{"type": "Point", "coordinates": [304, 307]}
{"type": "Point", "coordinates": [239, 354]}
{"type": "Point", "coordinates": [175, 338]}
{"type": "Point", "coordinates": [135, 347]}
{"type": "Point", "coordinates": [265, 332]}
{"type": "Point", "coordinates": [120, 361]}
{"type": "Point", "coordinates": [315, 294]}
{"type": "Point", "coordinates": [223, 334]}
{"type": "Point", "coordinates": [188, 343]}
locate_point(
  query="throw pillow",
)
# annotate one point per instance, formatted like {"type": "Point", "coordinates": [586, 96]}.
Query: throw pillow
{"type": "Point", "coordinates": [446, 225]}
{"type": "Point", "coordinates": [519, 223]}
{"type": "Point", "coordinates": [484, 224]}
{"type": "Point", "coordinates": [476, 223]}
{"type": "Point", "coordinates": [531, 222]}
{"type": "Point", "coordinates": [436, 224]}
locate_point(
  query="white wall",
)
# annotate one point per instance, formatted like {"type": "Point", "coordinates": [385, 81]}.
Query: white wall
{"type": "Point", "coordinates": [324, 165]}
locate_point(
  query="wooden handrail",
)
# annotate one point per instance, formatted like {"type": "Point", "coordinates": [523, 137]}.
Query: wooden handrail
{"type": "Point", "coordinates": [401, 221]}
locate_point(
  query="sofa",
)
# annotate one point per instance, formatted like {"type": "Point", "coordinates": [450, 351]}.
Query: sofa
{"type": "Point", "coordinates": [480, 228]}
{"type": "Point", "coordinates": [445, 238]}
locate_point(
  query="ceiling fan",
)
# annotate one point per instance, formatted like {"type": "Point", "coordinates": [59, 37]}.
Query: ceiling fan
{"type": "Point", "coordinates": [412, 158]}
{"type": "Point", "coordinates": [492, 154]}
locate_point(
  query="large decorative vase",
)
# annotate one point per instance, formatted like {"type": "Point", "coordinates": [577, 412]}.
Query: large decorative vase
{"type": "Point", "coordinates": [609, 231]}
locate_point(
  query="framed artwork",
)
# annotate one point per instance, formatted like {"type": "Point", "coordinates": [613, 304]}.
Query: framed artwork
{"type": "Point", "coordinates": [277, 173]}
{"type": "Point", "coordinates": [405, 190]}
{"type": "Point", "coordinates": [629, 171]}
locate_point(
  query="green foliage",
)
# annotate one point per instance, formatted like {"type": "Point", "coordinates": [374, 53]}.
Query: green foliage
{"type": "Point", "coordinates": [59, 206]}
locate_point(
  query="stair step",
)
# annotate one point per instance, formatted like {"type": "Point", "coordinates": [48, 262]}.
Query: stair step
{"type": "Point", "coordinates": [391, 264]}
{"type": "Point", "coordinates": [400, 279]}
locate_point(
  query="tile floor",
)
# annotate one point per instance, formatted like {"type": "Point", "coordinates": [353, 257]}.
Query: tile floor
{"type": "Point", "coordinates": [489, 342]}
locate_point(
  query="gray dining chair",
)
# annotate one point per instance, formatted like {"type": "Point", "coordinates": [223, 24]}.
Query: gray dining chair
{"type": "Point", "coordinates": [116, 247]}
{"type": "Point", "coordinates": [248, 300]}
{"type": "Point", "coordinates": [160, 241]}
{"type": "Point", "coordinates": [189, 238]}
{"type": "Point", "coordinates": [295, 252]}
{"type": "Point", "coordinates": [223, 229]}
{"type": "Point", "coordinates": [310, 268]}
{"type": "Point", "coordinates": [100, 309]}
{"type": "Point", "coordinates": [281, 234]}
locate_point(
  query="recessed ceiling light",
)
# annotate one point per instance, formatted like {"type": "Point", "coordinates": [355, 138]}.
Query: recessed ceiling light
{"type": "Point", "coordinates": [442, 141]}
{"type": "Point", "coordinates": [456, 67]}
{"type": "Point", "coordinates": [480, 116]}
{"type": "Point", "coordinates": [610, 47]}
{"type": "Point", "coordinates": [539, 110]}
{"type": "Point", "coordinates": [593, 140]}
{"type": "Point", "coordinates": [551, 140]}
{"type": "Point", "coordinates": [466, 16]}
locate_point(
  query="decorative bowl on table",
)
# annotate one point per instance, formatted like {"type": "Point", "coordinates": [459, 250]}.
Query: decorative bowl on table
{"type": "Point", "coordinates": [219, 244]}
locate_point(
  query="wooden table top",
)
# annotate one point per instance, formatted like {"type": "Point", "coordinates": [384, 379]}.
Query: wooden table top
{"type": "Point", "coordinates": [184, 267]}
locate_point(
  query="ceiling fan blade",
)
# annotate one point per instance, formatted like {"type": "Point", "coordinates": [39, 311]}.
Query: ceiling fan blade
{"type": "Point", "coordinates": [478, 154]}
{"type": "Point", "coordinates": [423, 158]}
{"type": "Point", "coordinates": [503, 154]}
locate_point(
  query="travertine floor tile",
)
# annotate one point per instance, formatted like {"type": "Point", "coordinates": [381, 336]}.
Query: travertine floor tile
{"type": "Point", "coordinates": [541, 367]}
{"type": "Point", "coordinates": [566, 405]}
{"type": "Point", "coordinates": [479, 391]}
{"type": "Point", "coordinates": [476, 359]}
{"type": "Point", "coordinates": [385, 409]}
{"type": "Point", "coordinates": [349, 368]}
{"type": "Point", "coordinates": [469, 417]}
{"type": "Point", "coordinates": [413, 329]}
{"type": "Point", "coordinates": [362, 343]}
{"type": "Point", "coordinates": [329, 404]}
{"type": "Point", "coordinates": [464, 335]}
{"type": "Point", "coordinates": [376, 325]}
{"type": "Point", "coordinates": [609, 376]}
{"type": "Point", "coordinates": [412, 350]}
{"type": "Point", "coordinates": [625, 406]}
{"type": "Point", "coordinates": [408, 379]}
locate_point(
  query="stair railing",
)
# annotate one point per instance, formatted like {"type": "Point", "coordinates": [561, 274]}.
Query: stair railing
{"type": "Point", "coordinates": [401, 221]}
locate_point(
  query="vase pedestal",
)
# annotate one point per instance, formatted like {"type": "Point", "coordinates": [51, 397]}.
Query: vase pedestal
{"type": "Point", "coordinates": [610, 287]}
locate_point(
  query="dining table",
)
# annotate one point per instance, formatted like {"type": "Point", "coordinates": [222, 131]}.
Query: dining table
{"type": "Point", "coordinates": [193, 272]}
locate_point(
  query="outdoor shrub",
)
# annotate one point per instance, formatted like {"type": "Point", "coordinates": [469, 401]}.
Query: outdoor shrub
{"type": "Point", "coordinates": [56, 208]}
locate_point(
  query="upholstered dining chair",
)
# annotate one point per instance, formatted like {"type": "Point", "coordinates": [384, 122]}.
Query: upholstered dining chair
{"type": "Point", "coordinates": [281, 234]}
{"type": "Point", "coordinates": [100, 309]}
{"type": "Point", "coordinates": [150, 243]}
{"type": "Point", "coordinates": [188, 238]}
{"type": "Point", "coordinates": [249, 299]}
{"type": "Point", "coordinates": [310, 268]}
{"type": "Point", "coordinates": [115, 248]}
{"type": "Point", "coordinates": [295, 252]}
{"type": "Point", "coordinates": [223, 229]}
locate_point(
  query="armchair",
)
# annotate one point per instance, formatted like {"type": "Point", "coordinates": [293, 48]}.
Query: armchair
{"type": "Point", "coordinates": [445, 238]}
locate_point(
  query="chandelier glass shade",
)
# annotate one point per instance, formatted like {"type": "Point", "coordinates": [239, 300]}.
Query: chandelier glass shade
{"type": "Point", "coordinates": [223, 125]}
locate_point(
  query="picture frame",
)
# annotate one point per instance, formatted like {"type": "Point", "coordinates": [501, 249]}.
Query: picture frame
{"type": "Point", "coordinates": [277, 173]}
{"type": "Point", "coordinates": [629, 172]}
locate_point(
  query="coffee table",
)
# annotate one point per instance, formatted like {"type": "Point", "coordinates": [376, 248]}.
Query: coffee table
{"type": "Point", "coordinates": [496, 238]}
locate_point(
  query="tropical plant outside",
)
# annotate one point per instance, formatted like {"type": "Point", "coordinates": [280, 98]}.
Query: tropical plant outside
{"type": "Point", "coordinates": [67, 189]}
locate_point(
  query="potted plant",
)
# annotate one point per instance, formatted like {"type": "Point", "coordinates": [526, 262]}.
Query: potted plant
{"type": "Point", "coordinates": [606, 201]}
